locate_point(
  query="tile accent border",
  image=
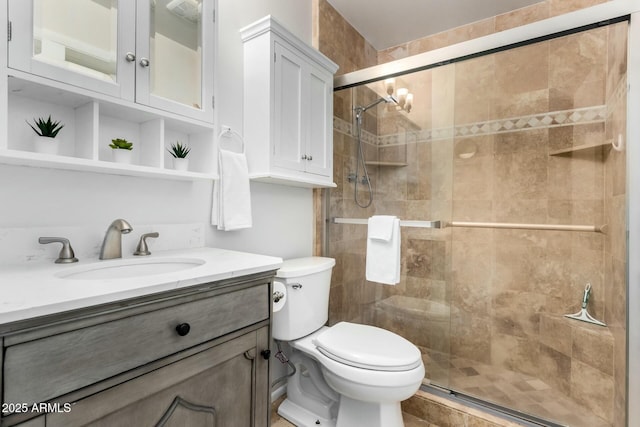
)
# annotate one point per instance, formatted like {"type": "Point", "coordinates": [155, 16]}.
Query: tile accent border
{"type": "Point", "coordinates": [577, 116]}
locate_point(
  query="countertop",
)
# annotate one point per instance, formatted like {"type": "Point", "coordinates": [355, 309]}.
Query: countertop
{"type": "Point", "coordinates": [28, 291]}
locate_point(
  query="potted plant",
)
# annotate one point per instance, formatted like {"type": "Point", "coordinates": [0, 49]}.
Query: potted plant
{"type": "Point", "coordinates": [46, 131]}
{"type": "Point", "coordinates": [121, 150]}
{"type": "Point", "coordinates": [179, 152]}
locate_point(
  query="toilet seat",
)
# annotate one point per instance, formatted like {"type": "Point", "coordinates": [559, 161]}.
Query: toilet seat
{"type": "Point", "coordinates": [367, 347]}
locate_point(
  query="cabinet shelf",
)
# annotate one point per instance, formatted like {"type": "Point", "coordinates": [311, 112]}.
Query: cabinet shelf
{"type": "Point", "coordinates": [26, 158]}
{"type": "Point", "coordinates": [295, 181]}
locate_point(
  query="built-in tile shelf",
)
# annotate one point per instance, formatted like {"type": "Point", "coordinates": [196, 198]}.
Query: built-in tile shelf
{"type": "Point", "coordinates": [577, 148]}
{"type": "Point", "coordinates": [386, 164]}
{"type": "Point", "coordinates": [91, 120]}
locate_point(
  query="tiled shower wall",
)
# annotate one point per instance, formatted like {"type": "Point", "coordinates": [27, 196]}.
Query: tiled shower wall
{"type": "Point", "coordinates": [506, 290]}
{"type": "Point", "coordinates": [511, 288]}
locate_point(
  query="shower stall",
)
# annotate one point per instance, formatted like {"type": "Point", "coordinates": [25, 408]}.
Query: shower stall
{"type": "Point", "coordinates": [512, 163]}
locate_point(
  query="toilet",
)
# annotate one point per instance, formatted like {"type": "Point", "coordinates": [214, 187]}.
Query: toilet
{"type": "Point", "coordinates": [347, 375]}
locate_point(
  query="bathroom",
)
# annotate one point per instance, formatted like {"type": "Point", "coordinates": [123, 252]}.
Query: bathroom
{"type": "Point", "coordinates": [288, 221]}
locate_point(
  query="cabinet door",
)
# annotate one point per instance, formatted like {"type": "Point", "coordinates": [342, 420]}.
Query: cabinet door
{"type": "Point", "coordinates": [289, 88]}
{"type": "Point", "coordinates": [319, 123]}
{"type": "Point", "coordinates": [79, 42]}
{"type": "Point", "coordinates": [221, 386]}
{"type": "Point", "coordinates": [175, 40]}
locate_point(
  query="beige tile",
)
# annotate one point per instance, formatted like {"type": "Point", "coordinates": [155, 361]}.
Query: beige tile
{"type": "Point", "coordinates": [560, 7]}
{"type": "Point", "coordinates": [555, 369]}
{"type": "Point", "coordinates": [594, 346]}
{"type": "Point", "coordinates": [522, 16]}
{"type": "Point", "coordinates": [555, 332]}
{"type": "Point", "coordinates": [579, 59]}
{"type": "Point", "coordinates": [593, 389]}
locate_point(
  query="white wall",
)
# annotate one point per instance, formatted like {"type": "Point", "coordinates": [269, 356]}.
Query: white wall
{"type": "Point", "coordinates": [283, 223]}
{"type": "Point", "coordinates": [59, 202]}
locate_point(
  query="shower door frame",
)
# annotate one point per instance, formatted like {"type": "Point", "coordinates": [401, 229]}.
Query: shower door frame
{"type": "Point", "coordinates": [540, 30]}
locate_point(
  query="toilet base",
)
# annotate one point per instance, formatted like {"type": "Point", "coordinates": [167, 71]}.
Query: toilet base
{"type": "Point", "coordinates": [301, 417]}
{"type": "Point", "coordinates": [355, 413]}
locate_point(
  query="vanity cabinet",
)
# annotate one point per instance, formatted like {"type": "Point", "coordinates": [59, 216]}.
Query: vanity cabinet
{"type": "Point", "coordinates": [288, 107]}
{"type": "Point", "coordinates": [156, 53]}
{"type": "Point", "coordinates": [140, 70]}
{"type": "Point", "coordinates": [196, 357]}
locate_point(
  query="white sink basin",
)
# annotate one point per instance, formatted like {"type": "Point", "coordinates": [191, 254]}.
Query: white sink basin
{"type": "Point", "coordinates": [125, 269]}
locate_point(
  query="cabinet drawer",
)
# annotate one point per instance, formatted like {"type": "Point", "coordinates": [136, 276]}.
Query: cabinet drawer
{"type": "Point", "coordinates": [39, 370]}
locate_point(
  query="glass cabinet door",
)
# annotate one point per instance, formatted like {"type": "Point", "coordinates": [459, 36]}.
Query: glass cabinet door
{"type": "Point", "coordinates": [79, 42]}
{"type": "Point", "coordinates": [175, 56]}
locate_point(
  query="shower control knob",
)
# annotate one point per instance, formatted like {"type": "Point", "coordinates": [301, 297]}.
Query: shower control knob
{"type": "Point", "coordinates": [183, 329]}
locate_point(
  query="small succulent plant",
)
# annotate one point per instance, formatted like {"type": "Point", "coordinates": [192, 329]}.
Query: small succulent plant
{"type": "Point", "coordinates": [121, 144]}
{"type": "Point", "coordinates": [48, 128]}
{"type": "Point", "coordinates": [179, 150]}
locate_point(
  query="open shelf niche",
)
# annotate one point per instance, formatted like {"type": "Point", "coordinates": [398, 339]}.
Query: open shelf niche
{"type": "Point", "coordinates": [91, 122]}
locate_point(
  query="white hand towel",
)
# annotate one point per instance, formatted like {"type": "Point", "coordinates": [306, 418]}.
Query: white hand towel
{"type": "Point", "coordinates": [383, 256]}
{"type": "Point", "coordinates": [231, 208]}
{"type": "Point", "coordinates": [380, 227]}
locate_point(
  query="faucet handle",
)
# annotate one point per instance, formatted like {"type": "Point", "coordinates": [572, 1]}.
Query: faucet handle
{"type": "Point", "coordinates": [142, 248]}
{"type": "Point", "coordinates": [66, 253]}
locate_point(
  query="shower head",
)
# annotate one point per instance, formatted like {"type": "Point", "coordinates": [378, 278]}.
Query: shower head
{"type": "Point", "coordinates": [388, 99]}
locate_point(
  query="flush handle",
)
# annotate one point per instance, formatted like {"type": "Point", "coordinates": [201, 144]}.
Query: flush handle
{"type": "Point", "coordinates": [296, 286]}
{"type": "Point", "coordinates": [277, 296]}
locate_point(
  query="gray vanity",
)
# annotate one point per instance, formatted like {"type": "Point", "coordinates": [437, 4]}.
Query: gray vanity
{"type": "Point", "coordinates": [188, 349]}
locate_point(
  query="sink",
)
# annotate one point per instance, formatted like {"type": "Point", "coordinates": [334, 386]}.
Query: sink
{"type": "Point", "coordinates": [125, 269]}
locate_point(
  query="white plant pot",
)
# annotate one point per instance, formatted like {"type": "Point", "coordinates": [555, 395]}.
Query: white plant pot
{"type": "Point", "coordinates": [45, 145]}
{"type": "Point", "coordinates": [180, 164]}
{"type": "Point", "coordinates": [122, 156]}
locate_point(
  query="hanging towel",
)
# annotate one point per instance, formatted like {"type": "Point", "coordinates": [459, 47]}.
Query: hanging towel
{"type": "Point", "coordinates": [383, 249]}
{"type": "Point", "coordinates": [231, 208]}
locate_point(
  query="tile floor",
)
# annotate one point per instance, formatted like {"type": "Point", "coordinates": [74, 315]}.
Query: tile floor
{"type": "Point", "coordinates": [510, 389]}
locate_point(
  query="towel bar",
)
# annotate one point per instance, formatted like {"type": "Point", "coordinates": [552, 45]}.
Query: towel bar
{"type": "Point", "coordinates": [468, 224]}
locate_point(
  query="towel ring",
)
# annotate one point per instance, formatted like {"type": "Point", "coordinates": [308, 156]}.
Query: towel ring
{"type": "Point", "coordinates": [230, 133]}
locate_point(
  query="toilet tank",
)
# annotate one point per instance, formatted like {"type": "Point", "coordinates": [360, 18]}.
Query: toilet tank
{"type": "Point", "coordinates": [306, 309]}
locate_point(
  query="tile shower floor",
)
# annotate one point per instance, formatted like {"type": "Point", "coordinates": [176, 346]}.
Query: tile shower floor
{"type": "Point", "coordinates": [278, 421]}
{"type": "Point", "coordinates": [510, 389]}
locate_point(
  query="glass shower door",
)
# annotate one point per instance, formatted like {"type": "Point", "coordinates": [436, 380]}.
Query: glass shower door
{"type": "Point", "coordinates": [407, 150]}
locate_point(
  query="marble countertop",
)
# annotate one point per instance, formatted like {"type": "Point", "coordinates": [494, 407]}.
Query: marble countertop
{"type": "Point", "coordinates": [28, 291]}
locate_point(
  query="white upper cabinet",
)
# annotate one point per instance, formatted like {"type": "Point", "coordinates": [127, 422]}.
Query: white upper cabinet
{"type": "Point", "coordinates": [162, 59]}
{"type": "Point", "coordinates": [288, 107]}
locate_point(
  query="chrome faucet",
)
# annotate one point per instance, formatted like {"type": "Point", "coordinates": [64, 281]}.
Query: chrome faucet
{"type": "Point", "coordinates": [112, 243]}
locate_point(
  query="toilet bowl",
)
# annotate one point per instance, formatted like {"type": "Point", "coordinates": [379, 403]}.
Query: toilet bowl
{"type": "Point", "coordinates": [347, 375]}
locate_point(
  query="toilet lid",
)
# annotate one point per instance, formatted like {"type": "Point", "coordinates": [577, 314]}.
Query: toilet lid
{"type": "Point", "coordinates": [368, 347]}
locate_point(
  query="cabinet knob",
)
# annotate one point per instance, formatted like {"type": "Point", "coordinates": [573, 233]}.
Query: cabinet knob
{"type": "Point", "coordinates": [183, 329]}
{"type": "Point", "coordinates": [304, 157]}
{"type": "Point", "coordinates": [144, 62]}
{"type": "Point", "coordinates": [309, 158]}
{"type": "Point", "coordinates": [130, 57]}
{"type": "Point", "coordinates": [266, 354]}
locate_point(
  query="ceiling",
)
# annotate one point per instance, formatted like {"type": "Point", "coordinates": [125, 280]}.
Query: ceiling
{"type": "Point", "coordinates": [386, 23]}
